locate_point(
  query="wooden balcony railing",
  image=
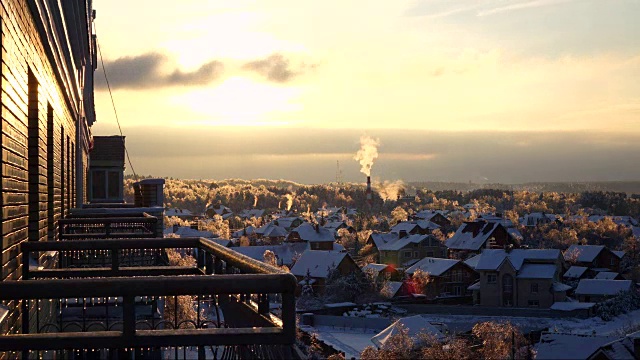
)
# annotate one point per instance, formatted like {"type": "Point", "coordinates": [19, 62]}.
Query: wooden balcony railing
{"type": "Point", "coordinates": [107, 227]}
{"type": "Point", "coordinates": [115, 311]}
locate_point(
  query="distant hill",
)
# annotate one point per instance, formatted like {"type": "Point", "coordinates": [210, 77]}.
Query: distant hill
{"type": "Point", "coordinates": [629, 187]}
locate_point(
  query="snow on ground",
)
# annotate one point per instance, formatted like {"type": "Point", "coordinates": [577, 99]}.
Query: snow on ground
{"type": "Point", "coordinates": [353, 340]}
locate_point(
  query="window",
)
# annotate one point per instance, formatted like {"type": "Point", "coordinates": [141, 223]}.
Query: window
{"type": "Point", "coordinates": [416, 254]}
{"type": "Point", "coordinates": [457, 290]}
{"type": "Point", "coordinates": [429, 253]}
{"type": "Point", "coordinates": [613, 262]}
{"type": "Point", "coordinates": [534, 288]}
{"type": "Point", "coordinates": [105, 184]}
{"type": "Point", "coordinates": [534, 303]}
{"type": "Point", "coordinates": [492, 278]}
{"type": "Point", "coordinates": [407, 254]}
{"type": "Point", "coordinates": [114, 182]}
{"type": "Point", "coordinates": [98, 184]}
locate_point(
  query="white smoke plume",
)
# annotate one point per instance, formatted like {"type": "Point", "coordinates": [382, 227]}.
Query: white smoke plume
{"type": "Point", "coordinates": [289, 201]}
{"type": "Point", "coordinates": [367, 154]}
{"type": "Point", "coordinates": [255, 200]}
{"type": "Point", "coordinates": [389, 190]}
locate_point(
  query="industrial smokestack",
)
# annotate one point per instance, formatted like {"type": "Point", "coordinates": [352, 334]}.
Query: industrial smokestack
{"type": "Point", "coordinates": [369, 194]}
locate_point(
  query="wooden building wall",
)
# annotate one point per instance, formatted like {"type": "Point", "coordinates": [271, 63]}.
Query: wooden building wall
{"type": "Point", "coordinates": [38, 141]}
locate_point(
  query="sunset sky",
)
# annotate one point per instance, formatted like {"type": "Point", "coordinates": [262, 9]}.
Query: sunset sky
{"type": "Point", "coordinates": [511, 91]}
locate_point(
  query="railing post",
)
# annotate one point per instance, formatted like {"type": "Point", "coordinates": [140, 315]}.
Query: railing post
{"type": "Point", "coordinates": [289, 316]}
{"type": "Point", "coordinates": [263, 304]}
{"type": "Point", "coordinates": [200, 258]}
{"type": "Point", "coordinates": [128, 316]}
{"type": "Point", "coordinates": [217, 265]}
{"type": "Point", "coordinates": [25, 264]}
{"type": "Point", "coordinates": [209, 269]}
{"type": "Point", "coordinates": [115, 261]}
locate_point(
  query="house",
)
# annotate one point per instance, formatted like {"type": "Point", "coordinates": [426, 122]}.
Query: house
{"type": "Point", "coordinates": [520, 278]}
{"type": "Point", "coordinates": [318, 263]}
{"type": "Point", "coordinates": [594, 257]}
{"type": "Point", "coordinates": [449, 277]}
{"type": "Point", "coordinates": [407, 250]}
{"type": "Point", "coordinates": [538, 218]}
{"type": "Point", "coordinates": [221, 210]}
{"type": "Point", "coordinates": [318, 237]}
{"type": "Point", "coordinates": [437, 217]}
{"type": "Point", "coordinates": [474, 236]}
{"type": "Point", "coordinates": [627, 347]}
{"type": "Point", "coordinates": [553, 345]}
{"type": "Point", "coordinates": [596, 290]}
{"type": "Point", "coordinates": [271, 231]}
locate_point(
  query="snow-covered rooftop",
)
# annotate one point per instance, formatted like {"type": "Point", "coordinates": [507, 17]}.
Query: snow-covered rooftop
{"type": "Point", "coordinates": [318, 262]}
{"type": "Point", "coordinates": [375, 267]}
{"type": "Point", "coordinates": [583, 253]}
{"type": "Point", "coordinates": [537, 271]}
{"type": "Point", "coordinates": [602, 287]}
{"type": "Point", "coordinates": [406, 226]}
{"type": "Point", "coordinates": [491, 259]}
{"type": "Point", "coordinates": [177, 212]}
{"type": "Point", "coordinates": [402, 242]}
{"type": "Point", "coordinates": [433, 266]}
{"type": "Point", "coordinates": [186, 231]}
{"type": "Point", "coordinates": [310, 232]}
{"type": "Point", "coordinates": [413, 324]}
{"type": "Point", "coordinates": [379, 239]}
{"type": "Point", "coordinates": [271, 230]}
{"type": "Point", "coordinates": [571, 305]}
{"type": "Point", "coordinates": [606, 275]}
{"type": "Point", "coordinates": [575, 272]}
{"type": "Point", "coordinates": [472, 235]}
{"type": "Point", "coordinates": [249, 230]}
{"type": "Point", "coordinates": [473, 261]}
{"type": "Point", "coordinates": [569, 346]}
{"type": "Point", "coordinates": [284, 252]}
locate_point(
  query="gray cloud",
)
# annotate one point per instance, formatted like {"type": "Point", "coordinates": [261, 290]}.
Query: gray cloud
{"type": "Point", "coordinates": [147, 71]}
{"type": "Point", "coordinates": [276, 68]}
{"type": "Point", "coordinates": [309, 155]}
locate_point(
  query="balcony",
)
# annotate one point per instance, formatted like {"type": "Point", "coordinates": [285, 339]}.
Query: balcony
{"type": "Point", "coordinates": [130, 298]}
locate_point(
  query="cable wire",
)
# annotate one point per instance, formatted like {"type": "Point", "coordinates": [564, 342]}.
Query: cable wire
{"type": "Point", "coordinates": [106, 78]}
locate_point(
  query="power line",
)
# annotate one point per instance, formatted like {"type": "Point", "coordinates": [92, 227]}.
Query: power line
{"type": "Point", "coordinates": [106, 78]}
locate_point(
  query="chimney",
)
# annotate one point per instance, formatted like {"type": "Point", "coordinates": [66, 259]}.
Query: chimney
{"type": "Point", "coordinates": [317, 227]}
{"type": "Point", "coordinates": [175, 227]}
{"type": "Point", "coordinates": [368, 192]}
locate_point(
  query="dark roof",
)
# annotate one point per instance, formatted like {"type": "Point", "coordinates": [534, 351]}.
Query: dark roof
{"type": "Point", "coordinates": [108, 148]}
